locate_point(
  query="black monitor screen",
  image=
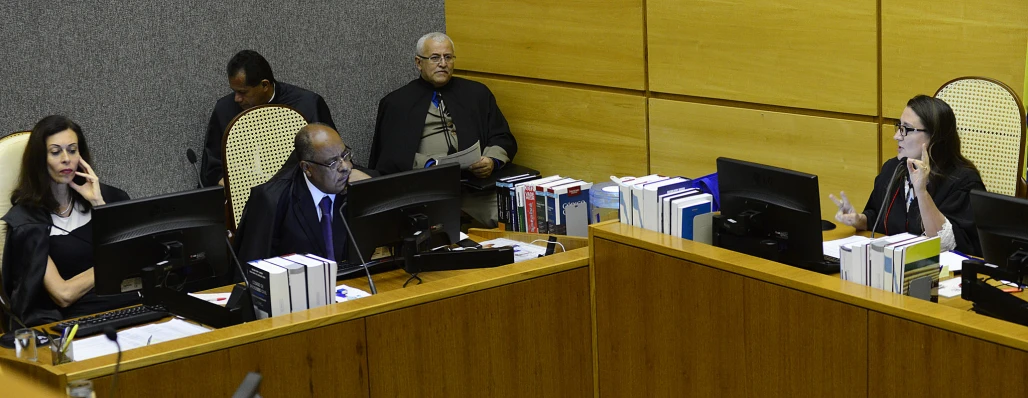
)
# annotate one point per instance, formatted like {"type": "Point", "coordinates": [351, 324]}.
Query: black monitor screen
{"type": "Point", "coordinates": [186, 229]}
{"type": "Point", "coordinates": [1002, 223]}
{"type": "Point", "coordinates": [769, 212]}
{"type": "Point", "coordinates": [379, 209]}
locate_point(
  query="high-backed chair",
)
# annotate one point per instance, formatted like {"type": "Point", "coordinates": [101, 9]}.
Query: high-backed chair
{"type": "Point", "coordinates": [11, 149]}
{"type": "Point", "coordinates": [991, 124]}
{"type": "Point", "coordinates": [255, 146]}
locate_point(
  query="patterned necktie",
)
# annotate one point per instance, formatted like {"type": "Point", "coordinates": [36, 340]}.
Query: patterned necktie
{"type": "Point", "coordinates": [326, 226]}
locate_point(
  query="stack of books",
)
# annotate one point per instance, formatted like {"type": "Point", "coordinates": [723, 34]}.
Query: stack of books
{"type": "Point", "coordinates": [892, 262]}
{"type": "Point", "coordinates": [296, 282]}
{"type": "Point", "coordinates": [669, 205]}
{"type": "Point", "coordinates": [547, 205]}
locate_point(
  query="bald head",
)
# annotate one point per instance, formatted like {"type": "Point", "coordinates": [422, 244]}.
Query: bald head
{"type": "Point", "coordinates": [324, 158]}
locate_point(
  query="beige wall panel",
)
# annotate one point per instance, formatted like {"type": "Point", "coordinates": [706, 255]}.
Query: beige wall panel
{"type": "Point", "coordinates": [573, 132]}
{"type": "Point", "coordinates": [909, 359]}
{"type": "Point", "coordinates": [583, 41]}
{"type": "Point", "coordinates": [686, 139]}
{"type": "Point", "coordinates": [926, 43]}
{"type": "Point", "coordinates": [811, 54]}
{"type": "Point", "coordinates": [526, 339]}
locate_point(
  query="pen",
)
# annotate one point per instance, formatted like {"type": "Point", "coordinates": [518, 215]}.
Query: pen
{"type": "Point", "coordinates": [148, 339]}
{"type": "Point", "coordinates": [960, 254]}
{"type": "Point", "coordinates": [67, 340]}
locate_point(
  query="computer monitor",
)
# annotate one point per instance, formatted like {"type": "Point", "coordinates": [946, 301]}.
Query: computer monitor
{"type": "Point", "coordinates": [1002, 223]}
{"type": "Point", "coordinates": [383, 211]}
{"type": "Point", "coordinates": [184, 232]}
{"type": "Point", "coordinates": [770, 212]}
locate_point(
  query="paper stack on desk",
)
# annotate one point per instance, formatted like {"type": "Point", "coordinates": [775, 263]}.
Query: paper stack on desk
{"type": "Point", "coordinates": [99, 345]}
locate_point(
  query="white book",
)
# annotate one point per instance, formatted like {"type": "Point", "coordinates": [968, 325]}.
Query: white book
{"type": "Point", "coordinates": [877, 258]}
{"type": "Point", "coordinates": [666, 214]}
{"type": "Point", "coordinates": [318, 290]}
{"type": "Point", "coordinates": [651, 207]}
{"type": "Point", "coordinates": [624, 198]}
{"type": "Point", "coordinates": [331, 270]}
{"type": "Point", "coordinates": [270, 287]}
{"type": "Point", "coordinates": [687, 209]}
{"type": "Point", "coordinates": [297, 276]}
{"type": "Point", "coordinates": [637, 199]}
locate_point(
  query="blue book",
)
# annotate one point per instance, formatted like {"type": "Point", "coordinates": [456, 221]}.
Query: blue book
{"type": "Point", "coordinates": [687, 209]}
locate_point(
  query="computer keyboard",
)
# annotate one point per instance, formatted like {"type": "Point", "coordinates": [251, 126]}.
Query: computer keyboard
{"type": "Point", "coordinates": [350, 271]}
{"type": "Point", "coordinates": [119, 319]}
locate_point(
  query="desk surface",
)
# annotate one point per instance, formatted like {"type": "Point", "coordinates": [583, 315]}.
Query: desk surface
{"type": "Point", "coordinates": [392, 296]}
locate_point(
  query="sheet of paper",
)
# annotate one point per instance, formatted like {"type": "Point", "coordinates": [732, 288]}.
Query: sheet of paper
{"type": "Point", "coordinates": [346, 293]}
{"type": "Point", "coordinates": [831, 248]}
{"type": "Point", "coordinates": [949, 288]}
{"type": "Point", "coordinates": [522, 251]}
{"type": "Point", "coordinates": [136, 337]}
{"type": "Point", "coordinates": [465, 158]}
{"type": "Point", "coordinates": [951, 260]}
{"type": "Point", "coordinates": [216, 298]}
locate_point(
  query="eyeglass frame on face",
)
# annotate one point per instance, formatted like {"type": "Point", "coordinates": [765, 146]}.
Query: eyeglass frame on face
{"type": "Point", "coordinates": [904, 130]}
{"type": "Point", "coordinates": [347, 157]}
{"type": "Point", "coordinates": [436, 58]}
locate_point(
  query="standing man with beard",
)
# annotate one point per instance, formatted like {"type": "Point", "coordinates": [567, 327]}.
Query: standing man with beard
{"type": "Point", "coordinates": [297, 211]}
{"type": "Point", "coordinates": [438, 114]}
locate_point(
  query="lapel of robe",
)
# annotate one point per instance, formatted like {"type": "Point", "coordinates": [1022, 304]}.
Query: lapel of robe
{"type": "Point", "coordinates": [306, 215]}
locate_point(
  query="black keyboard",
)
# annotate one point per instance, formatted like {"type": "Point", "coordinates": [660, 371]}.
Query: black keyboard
{"type": "Point", "coordinates": [119, 319]}
{"type": "Point", "coordinates": [350, 271]}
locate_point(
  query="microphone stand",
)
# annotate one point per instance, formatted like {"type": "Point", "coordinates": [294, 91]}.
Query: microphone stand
{"type": "Point", "coordinates": [364, 264]}
{"type": "Point", "coordinates": [902, 166]}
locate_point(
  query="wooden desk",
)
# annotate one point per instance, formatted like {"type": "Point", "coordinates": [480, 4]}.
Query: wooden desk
{"type": "Point", "coordinates": [678, 318]}
{"type": "Point", "coordinates": [517, 330]}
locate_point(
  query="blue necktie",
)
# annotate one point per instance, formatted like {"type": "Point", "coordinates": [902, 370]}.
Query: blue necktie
{"type": "Point", "coordinates": [326, 226]}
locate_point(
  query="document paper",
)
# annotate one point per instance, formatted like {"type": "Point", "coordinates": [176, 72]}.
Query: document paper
{"type": "Point", "coordinates": [96, 346]}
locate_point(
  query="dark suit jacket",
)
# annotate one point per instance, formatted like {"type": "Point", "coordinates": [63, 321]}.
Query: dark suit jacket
{"type": "Point", "coordinates": [280, 218]}
{"type": "Point", "coordinates": [308, 103]}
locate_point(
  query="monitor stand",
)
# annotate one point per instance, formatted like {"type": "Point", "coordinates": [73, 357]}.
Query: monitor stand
{"type": "Point", "coordinates": [417, 258]}
{"type": "Point", "coordinates": [827, 225]}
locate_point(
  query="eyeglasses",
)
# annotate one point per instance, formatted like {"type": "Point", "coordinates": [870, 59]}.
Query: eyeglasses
{"type": "Point", "coordinates": [346, 157]}
{"type": "Point", "coordinates": [435, 58]}
{"type": "Point", "coordinates": [904, 130]}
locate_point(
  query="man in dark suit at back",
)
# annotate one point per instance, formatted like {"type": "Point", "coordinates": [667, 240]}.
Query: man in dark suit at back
{"type": "Point", "coordinates": [297, 211]}
{"type": "Point", "coordinates": [253, 83]}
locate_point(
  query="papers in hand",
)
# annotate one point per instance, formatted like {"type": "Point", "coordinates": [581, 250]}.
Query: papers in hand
{"type": "Point", "coordinates": [522, 251]}
{"type": "Point", "coordinates": [465, 158]}
{"type": "Point", "coordinates": [96, 346]}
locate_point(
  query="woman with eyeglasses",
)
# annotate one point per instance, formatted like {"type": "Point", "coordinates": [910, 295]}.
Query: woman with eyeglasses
{"type": "Point", "coordinates": [930, 190]}
{"type": "Point", "coordinates": [48, 255]}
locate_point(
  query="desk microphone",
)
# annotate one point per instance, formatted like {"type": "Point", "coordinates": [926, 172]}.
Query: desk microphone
{"type": "Point", "coordinates": [191, 156]}
{"type": "Point", "coordinates": [364, 264]}
{"type": "Point", "coordinates": [238, 291]}
{"type": "Point", "coordinates": [112, 335]}
{"type": "Point", "coordinates": [902, 166]}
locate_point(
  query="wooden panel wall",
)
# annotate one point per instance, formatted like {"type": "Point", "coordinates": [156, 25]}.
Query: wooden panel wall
{"type": "Point", "coordinates": [597, 42]}
{"type": "Point", "coordinates": [926, 43]}
{"type": "Point", "coordinates": [574, 132]}
{"type": "Point", "coordinates": [691, 330]}
{"type": "Point", "coordinates": [810, 54]}
{"type": "Point", "coordinates": [687, 138]}
{"type": "Point", "coordinates": [463, 346]}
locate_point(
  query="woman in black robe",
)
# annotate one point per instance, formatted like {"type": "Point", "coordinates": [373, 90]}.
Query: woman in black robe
{"type": "Point", "coordinates": [48, 256]}
{"type": "Point", "coordinates": [930, 192]}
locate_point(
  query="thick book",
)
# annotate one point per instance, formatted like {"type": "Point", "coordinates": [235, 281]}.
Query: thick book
{"type": "Point", "coordinates": [892, 253]}
{"type": "Point", "coordinates": [666, 214]}
{"type": "Point", "coordinates": [651, 206]}
{"type": "Point", "coordinates": [688, 208]}
{"type": "Point", "coordinates": [637, 199]}
{"type": "Point", "coordinates": [333, 270]}
{"type": "Point", "coordinates": [503, 199]}
{"type": "Point", "coordinates": [297, 276]}
{"type": "Point", "coordinates": [569, 197]}
{"type": "Point", "coordinates": [270, 288]}
{"type": "Point", "coordinates": [917, 260]}
{"type": "Point", "coordinates": [540, 203]}
{"type": "Point", "coordinates": [318, 290]}
{"type": "Point", "coordinates": [625, 204]}
{"type": "Point", "coordinates": [516, 222]}
{"type": "Point", "coordinates": [876, 258]}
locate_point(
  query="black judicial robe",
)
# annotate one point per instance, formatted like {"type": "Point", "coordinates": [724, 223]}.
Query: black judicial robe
{"type": "Point", "coordinates": [307, 102]}
{"type": "Point", "coordinates": [952, 196]}
{"type": "Point", "coordinates": [280, 218]}
{"type": "Point", "coordinates": [24, 265]}
{"type": "Point", "coordinates": [401, 121]}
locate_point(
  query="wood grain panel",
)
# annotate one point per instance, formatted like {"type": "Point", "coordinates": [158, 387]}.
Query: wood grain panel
{"type": "Point", "coordinates": [686, 139]}
{"type": "Point", "coordinates": [322, 362]}
{"type": "Point", "coordinates": [596, 42]}
{"type": "Point", "coordinates": [666, 327]}
{"type": "Point", "coordinates": [811, 54]}
{"type": "Point", "coordinates": [926, 43]}
{"type": "Point", "coordinates": [802, 345]}
{"type": "Point", "coordinates": [580, 133]}
{"type": "Point", "coordinates": [910, 359]}
{"type": "Point", "coordinates": [525, 339]}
